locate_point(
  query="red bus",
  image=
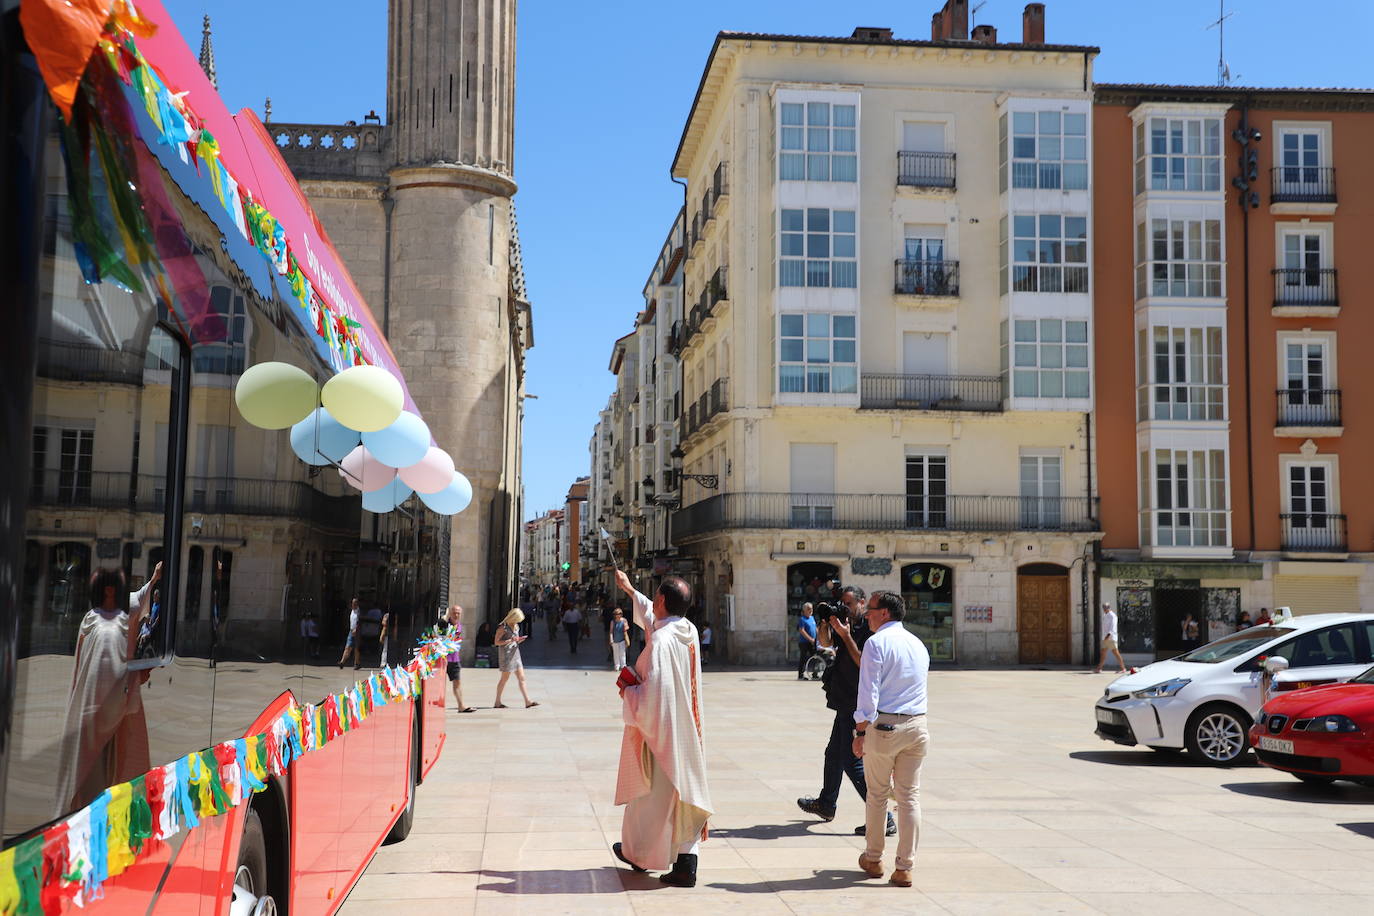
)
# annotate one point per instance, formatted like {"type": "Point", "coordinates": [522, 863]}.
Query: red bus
{"type": "Point", "coordinates": [143, 277]}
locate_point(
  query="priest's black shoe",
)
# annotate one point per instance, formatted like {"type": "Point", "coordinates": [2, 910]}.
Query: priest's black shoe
{"type": "Point", "coordinates": [684, 873]}
{"type": "Point", "coordinates": [615, 848]}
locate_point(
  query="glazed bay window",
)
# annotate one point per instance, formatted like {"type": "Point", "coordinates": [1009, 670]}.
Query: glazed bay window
{"type": "Point", "coordinates": [1046, 149]}
{"type": "Point", "coordinates": [817, 354]}
{"type": "Point", "coordinates": [1186, 498]}
{"type": "Point", "coordinates": [1049, 358]}
{"type": "Point", "coordinates": [1178, 257]}
{"type": "Point", "coordinates": [1049, 253]}
{"type": "Point", "coordinates": [818, 142]}
{"type": "Point", "coordinates": [1180, 374]}
{"type": "Point", "coordinates": [818, 248]}
{"type": "Point", "coordinates": [1178, 154]}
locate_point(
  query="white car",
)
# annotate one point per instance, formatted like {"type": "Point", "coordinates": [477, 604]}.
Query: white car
{"type": "Point", "coordinates": [1206, 699]}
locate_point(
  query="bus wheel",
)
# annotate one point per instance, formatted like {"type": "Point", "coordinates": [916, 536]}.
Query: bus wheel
{"type": "Point", "coordinates": [401, 829]}
{"type": "Point", "coordinates": [251, 894]}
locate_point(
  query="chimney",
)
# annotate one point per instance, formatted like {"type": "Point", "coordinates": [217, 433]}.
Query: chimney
{"type": "Point", "coordinates": [937, 26]}
{"type": "Point", "coordinates": [986, 34]}
{"type": "Point", "coordinates": [956, 20]}
{"type": "Point", "coordinates": [1033, 24]}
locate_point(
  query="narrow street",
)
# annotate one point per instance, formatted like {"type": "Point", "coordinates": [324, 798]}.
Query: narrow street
{"type": "Point", "coordinates": [1025, 811]}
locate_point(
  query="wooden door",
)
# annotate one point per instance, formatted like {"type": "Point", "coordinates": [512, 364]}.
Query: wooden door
{"type": "Point", "coordinates": [1042, 613]}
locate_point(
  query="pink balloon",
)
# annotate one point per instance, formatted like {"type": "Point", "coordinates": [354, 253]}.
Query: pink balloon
{"type": "Point", "coordinates": [363, 472]}
{"type": "Point", "coordinates": [431, 473]}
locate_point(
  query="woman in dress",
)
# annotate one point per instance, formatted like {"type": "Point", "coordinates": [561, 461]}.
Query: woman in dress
{"type": "Point", "coordinates": [508, 640]}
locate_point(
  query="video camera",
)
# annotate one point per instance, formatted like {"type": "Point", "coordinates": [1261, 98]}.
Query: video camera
{"type": "Point", "coordinates": [825, 610]}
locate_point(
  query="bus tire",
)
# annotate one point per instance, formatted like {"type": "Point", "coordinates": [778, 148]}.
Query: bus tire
{"type": "Point", "coordinates": [401, 829]}
{"type": "Point", "coordinates": [252, 894]}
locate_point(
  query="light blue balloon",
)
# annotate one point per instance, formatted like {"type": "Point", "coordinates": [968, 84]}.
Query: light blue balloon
{"type": "Point", "coordinates": [321, 439]}
{"type": "Point", "coordinates": [452, 499]}
{"type": "Point", "coordinates": [402, 443]}
{"type": "Point", "coordinates": [387, 498]}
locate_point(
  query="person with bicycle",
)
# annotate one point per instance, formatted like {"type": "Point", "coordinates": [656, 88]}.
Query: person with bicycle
{"type": "Point", "coordinates": [806, 639]}
{"type": "Point", "coordinates": [846, 631]}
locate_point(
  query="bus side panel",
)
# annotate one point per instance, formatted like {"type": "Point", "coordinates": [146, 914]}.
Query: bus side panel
{"type": "Point", "coordinates": [320, 791]}
{"type": "Point", "coordinates": [356, 831]}
{"type": "Point", "coordinates": [433, 726]}
{"type": "Point", "coordinates": [380, 786]}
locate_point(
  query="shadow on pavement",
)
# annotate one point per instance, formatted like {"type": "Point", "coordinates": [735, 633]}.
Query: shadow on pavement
{"type": "Point", "coordinates": [764, 831]}
{"type": "Point", "coordinates": [605, 880]}
{"type": "Point", "coordinates": [1294, 791]}
{"type": "Point", "coordinates": [1148, 758]}
{"type": "Point", "coordinates": [1365, 830]}
{"type": "Point", "coordinates": [826, 879]}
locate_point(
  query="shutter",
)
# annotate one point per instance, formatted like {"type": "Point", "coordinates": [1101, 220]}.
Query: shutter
{"type": "Point", "coordinates": [1317, 594]}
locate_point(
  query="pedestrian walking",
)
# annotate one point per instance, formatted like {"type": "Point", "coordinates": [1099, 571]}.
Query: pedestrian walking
{"type": "Point", "coordinates": [616, 634]}
{"type": "Point", "coordinates": [351, 642]}
{"type": "Point", "coordinates": [662, 778]}
{"type": "Point", "coordinates": [890, 733]}
{"type": "Point", "coordinates": [806, 638]}
{"type": "Point", "coordinates": [508, 640]}
{"type": "Point", "coordinates": [385, 638]}
{"type": "Point", "coordinates": [310, 634]}
{"type": "Point", "coordinates": [572, 622]}
{"type": "Point", "coordinates": [1109, 637]}
{"type": "Point", "coordinates": [454, 668]}
{"type": "Point", "coordinates": [1190, 631]}
{"type": "Point", "coordinates": [707, 643]}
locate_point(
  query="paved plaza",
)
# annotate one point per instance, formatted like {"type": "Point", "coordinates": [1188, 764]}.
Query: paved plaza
{"type": "Point", "coordinates": [1025, 811]}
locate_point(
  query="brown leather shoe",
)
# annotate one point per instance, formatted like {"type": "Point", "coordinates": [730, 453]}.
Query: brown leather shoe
{"type": "Point", "coordinates": [901, 877]}
{"type": "Point", "coordinates": [872, 869]}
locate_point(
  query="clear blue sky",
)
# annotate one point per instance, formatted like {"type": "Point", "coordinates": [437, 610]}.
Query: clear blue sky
{"type": "Point", "coordinates": [602, 90]}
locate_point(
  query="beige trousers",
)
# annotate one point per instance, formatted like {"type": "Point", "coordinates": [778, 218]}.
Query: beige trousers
{"type": "Point", "coordinates": [892, 768]}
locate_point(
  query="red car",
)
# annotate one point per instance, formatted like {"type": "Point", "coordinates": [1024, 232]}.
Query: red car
{"type": "Point", "coordinates": [1320, 734]}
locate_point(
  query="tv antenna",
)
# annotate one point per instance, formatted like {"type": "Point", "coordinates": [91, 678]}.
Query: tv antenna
{"type": "Point", "coordinates": [1224, 77]}
{"type": "Point", "coordinates": [976, 7]}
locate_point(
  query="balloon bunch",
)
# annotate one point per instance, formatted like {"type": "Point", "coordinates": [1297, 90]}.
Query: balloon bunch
{"type": "Point", "coordinates": [357, 422]}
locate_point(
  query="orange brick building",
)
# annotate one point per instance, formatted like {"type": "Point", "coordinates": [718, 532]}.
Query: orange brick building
{"type": "Point", "coordinates": [1233, 289]}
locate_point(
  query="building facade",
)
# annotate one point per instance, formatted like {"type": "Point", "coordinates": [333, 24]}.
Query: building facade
{"type": "Point", "coordinates": [546, 535]}
{"type": "Point", "coordinates": [886, 359]}
{"type": "Point", "coordinates": [420, 209]}
{"type": "Point", "coordinates": [1228, 269]}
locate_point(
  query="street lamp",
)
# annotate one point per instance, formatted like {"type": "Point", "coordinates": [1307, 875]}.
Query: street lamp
{"type": "Point", "coordinates": [708, 481]}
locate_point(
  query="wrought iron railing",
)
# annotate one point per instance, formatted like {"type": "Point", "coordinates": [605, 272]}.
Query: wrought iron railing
{"type": "Point", "coordinates": [716, 288]}
{"type": "Point", "coordinates": [927, 278]}
{"type": "Point", "coordinates": [1305, 286]}
{"type": "Point", "coordinates": [1310, 531]}
{"type": "Point", "coordinates": [930, 392]}
{"type": "Point", "coordinates": [720, 182]}
{"type": "Point", "coordinates": [1304, 184]}
{"type": "Point", "coordinates": [925, 170]}
{"type": "Point", "coordinates": [1309, 407]}
{"type": "Point", "coordinates": [73, 362]}
{"type": "Point", "coordinates": [885, 512]}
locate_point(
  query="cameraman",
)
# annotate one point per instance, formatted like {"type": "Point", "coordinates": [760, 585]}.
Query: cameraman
{"type": "Point", "coordinates": [847, 630]}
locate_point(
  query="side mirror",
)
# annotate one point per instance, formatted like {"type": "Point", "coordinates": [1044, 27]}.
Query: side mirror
{"type": "Point", "coordinates": [1275, 664]}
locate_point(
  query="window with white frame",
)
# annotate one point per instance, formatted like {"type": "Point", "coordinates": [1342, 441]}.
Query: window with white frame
{"type": "Point", "coordinates": [927, 490]}
{"type": "Point", "coordinates": [1041, 489]}
{"type": "Point", "coordinates": [1049, 358]}
{"type": "Point", "coordinates": [817, 354]}
{"type": "Point", "coordinates": [818, 248]}
{"type": "Point", "coordinates": [1185, 497]}
{"type": "Point", "coordinates": [1309, 395]}
{"type": "Point", "coordinates": [1301, 157]}
{"type": "Point", "coordinates": [1048, 149]}
{"type": "Point", "coordinates": [818, 142]}
{"type": "Point", "coordinates": [1180, 374]}
{"type": "Point", "coordinates": [1178, 257]}
{"type": "Point", "coordinates": [1049, 253]}
{"type": "Point", "coordinates": [1178, 154]}
{"type": "Point", "coordinates": [1310, 521]}
{"type": "Point", "coordinates": [1303, 276]}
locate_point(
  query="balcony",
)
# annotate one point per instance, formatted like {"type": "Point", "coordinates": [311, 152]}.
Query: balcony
{"type": "Point", "coordinates": [1307, 532]}
{"type": "Point", "coordinates": [925, 170]}
{"type": "Point", "coordinates": [931, 392]}
{"type": "Point", "coordinates": [720, 183]}
{"type": "Point", "coordinates": [1304, 184]}
{"type": "Point", "coordinates": [716, 289]}
{"type": "Point", "coordinates": [77, 363]}
{"type": "Point", "coordinates": [1305, 291]}
{"type": "Point", "coordinates": [1306, 413]}
{"type": "Point", "coordinates": [926, 278]}
{"type": "Point", "coordinates": [884, 512]}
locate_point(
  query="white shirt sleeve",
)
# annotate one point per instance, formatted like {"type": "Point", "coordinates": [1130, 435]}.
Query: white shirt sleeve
{"type": "Point", "coordinates": [869, 667]}
{"type": "Point", "coordinates": [643, 610]}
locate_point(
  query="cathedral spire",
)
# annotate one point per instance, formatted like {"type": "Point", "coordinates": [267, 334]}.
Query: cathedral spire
{"type": "Point", "coordinates": [207, 53]}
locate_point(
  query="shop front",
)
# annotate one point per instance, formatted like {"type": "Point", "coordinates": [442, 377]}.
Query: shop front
{"type": "Point", "coordinates": [1165, 609]}
{"type": "Point", "coordinates": [927, 590]}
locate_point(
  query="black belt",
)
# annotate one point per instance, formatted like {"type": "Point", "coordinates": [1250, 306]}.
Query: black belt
{"type": "Point", "coordinates": [904, 715]}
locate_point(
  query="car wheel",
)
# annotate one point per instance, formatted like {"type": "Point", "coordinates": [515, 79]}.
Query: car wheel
{"type": "Point", "coordinates": [1315, 779]}
{"type": "Point", "coordinates": [1217, 734]}
{"type": "Point", "coordinates": [251, 894]}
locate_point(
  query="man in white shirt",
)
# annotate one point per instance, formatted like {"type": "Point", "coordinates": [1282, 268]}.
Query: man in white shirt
{"type": "Point", "coordinates": [572, 622]}
{"type": "Point", "coordinates": [890, 733]}
{"type": "Point", "coordinates": [351, 644]}
{"type": "Point", "coordinates": [1109, 635]}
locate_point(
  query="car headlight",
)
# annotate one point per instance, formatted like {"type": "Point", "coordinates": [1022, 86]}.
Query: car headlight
{"type": "Point", "coordinates": [1164, 689]}
{"type": "Point", "coordinates": [1331, 724]}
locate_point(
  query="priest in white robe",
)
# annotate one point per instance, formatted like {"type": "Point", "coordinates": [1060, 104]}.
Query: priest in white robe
{"type": "Point", "coordinates": [662, 778]}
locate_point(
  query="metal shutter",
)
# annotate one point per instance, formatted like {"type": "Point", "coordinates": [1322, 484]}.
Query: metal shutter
{"type": "Point", "coordinates": [1317, 594]}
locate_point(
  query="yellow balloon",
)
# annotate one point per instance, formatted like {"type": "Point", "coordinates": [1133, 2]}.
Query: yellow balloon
{"type": "Point", "coordinates": [365, 398]}
{"type": "Point", "coordinates": [276, 395]}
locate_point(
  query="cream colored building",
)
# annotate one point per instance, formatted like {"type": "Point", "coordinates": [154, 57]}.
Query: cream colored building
{"type": "Point", "coordinates": [886, 359]}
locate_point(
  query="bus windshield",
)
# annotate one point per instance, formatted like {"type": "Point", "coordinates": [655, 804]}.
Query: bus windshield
{"type": "Point", "coordinates": [1228, 647]}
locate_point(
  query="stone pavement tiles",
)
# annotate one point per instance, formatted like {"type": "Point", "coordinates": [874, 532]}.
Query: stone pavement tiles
{"type": "Point", "coordinates": [1025, 812]}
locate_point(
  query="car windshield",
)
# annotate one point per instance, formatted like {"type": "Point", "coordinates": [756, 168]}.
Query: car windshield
{"type": "Point", "coordinates": [1229, 647]}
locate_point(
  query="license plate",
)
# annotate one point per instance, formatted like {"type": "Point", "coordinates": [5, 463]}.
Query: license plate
{"type": "Point", "coordinates": [1277, 745]}
{"type": "Point", "coordinates": [1106, 716]}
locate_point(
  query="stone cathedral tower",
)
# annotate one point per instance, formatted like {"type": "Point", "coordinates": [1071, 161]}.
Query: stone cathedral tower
{"type": "Point", "coordinates": [420, 208]}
